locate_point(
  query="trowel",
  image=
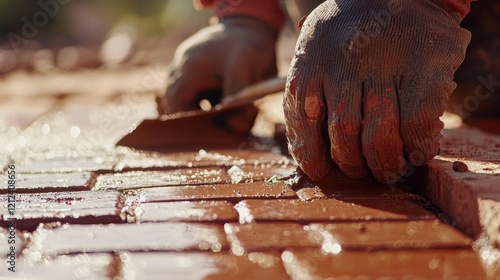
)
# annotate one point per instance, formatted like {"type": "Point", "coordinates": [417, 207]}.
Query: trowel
{"type": "Point", "coordinates": [198, 129]}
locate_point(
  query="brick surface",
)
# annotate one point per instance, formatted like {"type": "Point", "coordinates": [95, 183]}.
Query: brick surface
{"type": "Point", "coordinates": [219, 192]}
{"type": "Point", "coordinates": [359, 236]}
{"type": "Point", "coordinates": [338, 186]}
{"type": "Point", "coordinates": [253, 173]}
{"type": "Point", "coordinates": [129, 159]}
{"type": "Point", "coordinates": [63, 165]}
{"type": "Point", "coordinates": [84, 266]}
{"type": "Point", "coordinates": [392, 235]}
{"type": "Point", "coordinates": [308, 194]}
{"type": "Point", "coordinates": [74, 207]}
{"type": "Point", "coordinates": [330, 210]}
{"type": "Point", "coordinates": [30, 183]}
{"type": "Point", "coordinates": [471, 198]}
{"type": "Point", "coordinates": [161, 219]}
{"type": "Point", "coordinates": [267, 236]}
{"type": "Point", "coordinates": [190, 266]}
{"type": "Point", "coordinates": [144, 179]}
{"type": "Point", "coordinates": [70, 239]}
{"type": "Point", "coordinates": [401, 264]}
{"type": "Point", "coordinates": [191, 211]}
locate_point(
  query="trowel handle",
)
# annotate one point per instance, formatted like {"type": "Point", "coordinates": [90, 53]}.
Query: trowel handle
{"type": "Point", "coordinates": [254, 92]}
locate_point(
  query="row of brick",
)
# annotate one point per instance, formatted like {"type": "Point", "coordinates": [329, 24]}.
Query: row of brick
{"type": "Point", "coordinates": [424, 249]}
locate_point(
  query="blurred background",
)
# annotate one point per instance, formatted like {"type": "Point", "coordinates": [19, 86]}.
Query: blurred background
{"type": "Point", "coordinates": [59, 40]}
{"type": "Point", "coordinates": [43, 35]}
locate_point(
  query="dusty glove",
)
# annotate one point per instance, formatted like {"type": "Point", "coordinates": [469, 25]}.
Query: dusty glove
{"type": "Point", "coordinates": [227, 56]}
{"type": "Point", "coordinates": [368, 84]}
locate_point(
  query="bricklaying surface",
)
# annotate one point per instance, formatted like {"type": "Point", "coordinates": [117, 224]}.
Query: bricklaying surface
{"type": "Point", "coordinates": [88, 210]}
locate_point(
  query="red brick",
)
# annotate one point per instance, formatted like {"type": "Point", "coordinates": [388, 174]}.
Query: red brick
{"type": "Point", "coordinates": [70, 239]}
{"type": "Point", "coordinates": [219, 192]}
{"type": "Point", "coordinates": [189, 211]}
{"type": "Point", "coordinates": [144, 179]}
{"type": "Point", "coordinates": [202, 266]}
{"type": "Point", "coordinates": [338, 186]}
{"type": "Point", "coordinates": [472, 198]}
{"type": "Point", "coordinates": [392, 235]}
{"type": "Point", "coordinates": [73, 207]}
{"type": "Point", "coordinates": [399, 264]}
{"type": "Point", "coordinates": [29, 183]}
{"type": "Point", "coordinates": [345, 236]}
{"type": "Point", "coordinates": [133, 160]}
{"type": "Point", "coordinates": [84, 266]}
{"type": "Point", "coordinates": [330, 210]}
{"type": "Point", "coordinates": [268, 236]}
{"type": "Point", "coordinates": [253, 173]}
{"type": "Point", "coordinates": [308, 194]}
{"type": "Point", "coordinates": [63, 165]}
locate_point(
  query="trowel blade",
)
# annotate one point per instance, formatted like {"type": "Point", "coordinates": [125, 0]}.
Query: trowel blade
{"type": "Point", "coordinates": [184, 131]}
{"type": "Point", "coordinates": [198, 129]}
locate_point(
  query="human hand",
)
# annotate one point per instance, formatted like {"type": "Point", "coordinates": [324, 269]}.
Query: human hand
{"type": "Point", "coordinates": [368, 84]}
{"type": "Point", "coordinates": [224, 57]}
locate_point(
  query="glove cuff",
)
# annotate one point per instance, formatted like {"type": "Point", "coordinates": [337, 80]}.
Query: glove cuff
{"type": "Point", "coordinates": [269, 11]}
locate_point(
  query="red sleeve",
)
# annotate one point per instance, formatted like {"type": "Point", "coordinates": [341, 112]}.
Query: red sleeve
{"type": "Point", "coordinates": [460, 6]}
{"type": "Point", "coordinates": [268, 11]}
{"type": "Point", "coordinates": [201, 4]}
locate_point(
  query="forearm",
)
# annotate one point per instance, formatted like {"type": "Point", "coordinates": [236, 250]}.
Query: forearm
{"type": "Point", "coordinates": [268, 11]}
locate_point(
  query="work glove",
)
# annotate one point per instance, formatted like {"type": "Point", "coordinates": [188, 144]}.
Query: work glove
{"type": "Point", "coordinates": [218, 61]}
{"type": "Point", "coordinates": [368, 84]}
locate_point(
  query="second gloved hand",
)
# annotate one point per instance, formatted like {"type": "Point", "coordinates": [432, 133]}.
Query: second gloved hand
{"type": "Point", "coordinates": [226, 57]}
{"type": "Point", "coordinates": [368, 84]}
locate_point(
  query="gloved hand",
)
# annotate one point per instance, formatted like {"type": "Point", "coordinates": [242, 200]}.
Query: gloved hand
{"type": "Point", "coordinates": [368, 84]}
{"type": "Point", "coordinates": [227, 56]}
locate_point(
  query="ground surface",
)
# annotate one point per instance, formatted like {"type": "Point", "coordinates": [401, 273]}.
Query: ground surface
{"type": "Point", "coordinates": [86, 209]}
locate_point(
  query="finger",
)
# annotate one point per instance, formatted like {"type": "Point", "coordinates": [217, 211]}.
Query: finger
{"type": "Point", "coordinates": [381, 141]}
{"type": "Point", "coordinates": [184, 87]}
{"type": "Point", "coordinates": [305, 118]}
{"type": "Point", "coordinates": [344, 127]}
{"type": "Point", "coordinates": [424, 100]}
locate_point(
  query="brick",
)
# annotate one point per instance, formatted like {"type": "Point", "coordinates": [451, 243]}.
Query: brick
{"type": "Point", "coordinates": [202, 266]}
{"type": "Point", "coordinates": [308, 194]}
{"type": "Point", "coordinates": [63, 165]}
{"type": "Point", "coordinates": [74, 129]}
{"type": "Point", "coordinates": [345, 236]}
{"type": "Point", "coordinates": [144, 179]}
{"type": "Point", "coordinates": [84, 266]}
{"type": "Point", "coordinates": [29, 183]}
{"type": "Point", "coordinates": [340, 187]}
{"type": "Point", "coordinates": [253, 173]}
{"type": "Point", "coordinates": [268, 236]}
{"type": "Point", "coordinates": [191, 211]}
{"type": "Point", "coordinates": [330, 210]}
{"type": "Point", "coordinates": [392, 235]}
{"type": "Point", "coordinates": [398, 264]}
{"type": "Point", "coordinates": [10, 238]}
{"type": "Point", "coordinates": [472, 198]}
{"type": "Point", "coordinates": [71, 207]}
{"type": "Point", "coordinates": [219, 192]}
{"type": "Point", "coordinates": [129, 159]}
{"type": "Point", "coordinates": [71, 239]}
